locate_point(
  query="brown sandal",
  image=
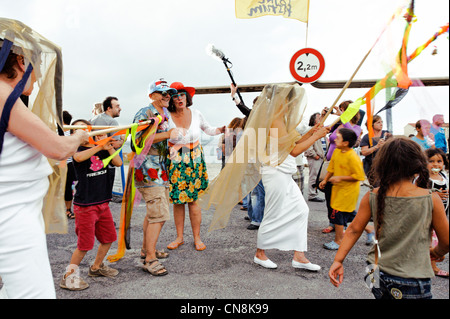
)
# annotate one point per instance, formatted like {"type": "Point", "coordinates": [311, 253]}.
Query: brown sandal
{"type": "Point", "coordinates": [155, 268]}
{"type": "Point", "coordinates": [160, 254]}
{"type": "Point", "coordinates": [70, 214]}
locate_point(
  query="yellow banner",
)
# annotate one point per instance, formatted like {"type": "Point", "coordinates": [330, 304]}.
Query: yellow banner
{"type": "Point", "coordinates": [292, 9]}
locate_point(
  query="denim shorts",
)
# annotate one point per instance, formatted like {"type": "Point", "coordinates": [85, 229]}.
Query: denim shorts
{"type": "Point", "coordinates": [393, 287]}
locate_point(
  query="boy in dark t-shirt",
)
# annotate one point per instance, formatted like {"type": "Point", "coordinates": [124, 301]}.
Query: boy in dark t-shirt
{"type": "Point", "coordinates": [93, 218]}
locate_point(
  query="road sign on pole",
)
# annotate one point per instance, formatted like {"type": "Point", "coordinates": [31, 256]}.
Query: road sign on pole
{"type": "Point", "coordinates": [307, 65]}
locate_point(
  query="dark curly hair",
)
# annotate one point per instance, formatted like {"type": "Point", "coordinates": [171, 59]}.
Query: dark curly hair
{"type": "Point", "coordinates": [399, 159]}
{"type": "Point", "coordinates": [172, 107]}
{"type": "Point", "coordinates": [437, 151]}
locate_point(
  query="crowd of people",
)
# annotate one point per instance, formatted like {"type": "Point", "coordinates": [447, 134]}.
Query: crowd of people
{"type": "Point", "coordinates": [407, 203]}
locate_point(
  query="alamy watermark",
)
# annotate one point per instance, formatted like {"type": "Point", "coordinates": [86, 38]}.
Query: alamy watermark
{"type": "Point", "coordinates": [73, 279]}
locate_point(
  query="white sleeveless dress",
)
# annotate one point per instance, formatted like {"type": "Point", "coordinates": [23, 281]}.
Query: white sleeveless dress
{"type": "Point", "coordinates": [285, 221]}
{"type": "Point", "coordinates": [24, 263]}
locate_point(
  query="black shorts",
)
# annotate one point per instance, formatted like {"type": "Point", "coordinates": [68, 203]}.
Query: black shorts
{"type": "Point", "coordinates": [341, 218]}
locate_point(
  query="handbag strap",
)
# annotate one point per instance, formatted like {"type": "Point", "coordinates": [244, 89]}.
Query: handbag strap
{"type": "Point", "coordinates": [10, 102]}
{"type": "Point", "coordinates": [321, 165]}
{"type": "Point", "coordinates": [376, 243]}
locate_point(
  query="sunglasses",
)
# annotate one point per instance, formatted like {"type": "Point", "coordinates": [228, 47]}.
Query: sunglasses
{"type": "Point", "coordinates": [164, 93]}
{"type": "Point", "coordinates": [178, 95]}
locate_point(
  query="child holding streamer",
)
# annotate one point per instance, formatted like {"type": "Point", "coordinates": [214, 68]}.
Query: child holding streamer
{"type": "Point", "coordinates": [93, 218]}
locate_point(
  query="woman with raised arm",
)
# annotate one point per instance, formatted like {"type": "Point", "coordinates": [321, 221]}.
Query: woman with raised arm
{"type": "Point", "coordinates": [267, 150]}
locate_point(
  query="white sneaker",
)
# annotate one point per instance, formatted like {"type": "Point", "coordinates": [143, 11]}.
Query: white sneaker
{"type": "Point", "coordinates": [265, 263]}
{"type": "Point", "coordinates": [308, 266]}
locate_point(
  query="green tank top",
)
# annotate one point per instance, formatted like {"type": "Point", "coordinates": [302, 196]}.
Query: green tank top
{"type": "Point", "coordinates": [405, 236]}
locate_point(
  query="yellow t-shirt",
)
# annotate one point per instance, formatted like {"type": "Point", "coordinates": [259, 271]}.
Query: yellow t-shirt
{"type": "Point", "coordinates": [344, 195]}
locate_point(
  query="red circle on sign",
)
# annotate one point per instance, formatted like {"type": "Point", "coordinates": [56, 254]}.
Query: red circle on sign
{"type": "Point", "coordinates": [307, 79]}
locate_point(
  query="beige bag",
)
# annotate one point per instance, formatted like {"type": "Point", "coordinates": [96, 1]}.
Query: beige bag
{"type": "Point", "coordinates": [323, 170]}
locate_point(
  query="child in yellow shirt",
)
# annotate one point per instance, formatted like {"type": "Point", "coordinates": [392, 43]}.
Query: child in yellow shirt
{"type": "Point", "coordinates": [345, 172]}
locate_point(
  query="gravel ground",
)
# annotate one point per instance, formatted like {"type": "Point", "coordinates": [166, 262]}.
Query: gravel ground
{"type": "Point", "coordinates": [225, 270]}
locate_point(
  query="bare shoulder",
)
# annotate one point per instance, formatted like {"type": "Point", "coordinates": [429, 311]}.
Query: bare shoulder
{"type": "Point", "coordinates": [422, 191]}
{"type": "Point", "coordinates": [410, 190]}
{"type": "Point", "coordinates": [5, 91]}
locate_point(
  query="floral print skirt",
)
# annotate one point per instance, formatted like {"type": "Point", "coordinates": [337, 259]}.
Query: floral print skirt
{"type": "Point", "coordinates": [187, 175]}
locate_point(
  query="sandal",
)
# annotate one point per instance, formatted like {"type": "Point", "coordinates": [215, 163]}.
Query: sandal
{"type": "Point", "coordinates": [441, 273]}
{"type": "Point", "coordinates": [174, 245]}
{"type": "Point", "coordinates": [155, 268]}
{"type": "Point", "coordinates": [160, 254]}
{"type": "Point", "coordinates": [70, 214]}
{"type": "Point", "coordinates": [200, 246]}
{"type": "Point", "coordinates": [327, 230]}
{"type": "Point", "coordinates": [331, 245]}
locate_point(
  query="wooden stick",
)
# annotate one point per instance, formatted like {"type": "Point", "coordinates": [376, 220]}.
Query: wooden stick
{"type": "Point", "coordinates": [345, 87]}
{"type": "Point", "coordinates": [81, 127]}
{"type": "Point", "coordinates": [101, 127]}
{"type": "Point", "coordinates": [108, 130]}
{"type": "Point", "coordinates": [357, 69]}
{"type": "Point", "coordinates": [116, 128]}
{"type": "Point", "coordinates": [335, 122]}
{"type": "Point", "coordinates": [119, 128]}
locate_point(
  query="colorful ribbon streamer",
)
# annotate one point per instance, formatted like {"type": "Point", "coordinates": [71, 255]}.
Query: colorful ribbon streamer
{"type": "Point", "coordinates": [387, 81]}
{"type": "Point", "coordinates": [129, 195]}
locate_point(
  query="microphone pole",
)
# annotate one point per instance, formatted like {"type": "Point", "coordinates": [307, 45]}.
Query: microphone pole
{"type": "Point", "coordinates": [225, 62]}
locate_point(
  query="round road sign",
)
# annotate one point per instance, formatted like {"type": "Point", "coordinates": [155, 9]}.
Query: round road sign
{"type": "Point", "coordinates": [307, 65]}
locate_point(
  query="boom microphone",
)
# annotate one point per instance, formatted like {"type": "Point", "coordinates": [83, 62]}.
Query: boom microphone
{"type": "Point", "coordinates": [216, 53]}
{"type": "Point", "coordinates": [219, 55]}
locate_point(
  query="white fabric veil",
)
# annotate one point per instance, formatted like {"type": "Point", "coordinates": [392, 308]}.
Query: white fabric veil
{"type": "Point", "coordinates": [256, 147]}
{"type": "Point", "coordinates": [46, 59]}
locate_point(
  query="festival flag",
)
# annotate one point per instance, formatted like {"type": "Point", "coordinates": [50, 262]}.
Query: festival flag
{"type": "Point", "coordinates": [292, 9]}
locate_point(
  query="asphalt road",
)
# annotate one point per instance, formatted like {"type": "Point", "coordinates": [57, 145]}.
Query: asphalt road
{"type": "Point", "coordinates": [225, 270]}
{"type": "Point", "coordinates": [224, 275]}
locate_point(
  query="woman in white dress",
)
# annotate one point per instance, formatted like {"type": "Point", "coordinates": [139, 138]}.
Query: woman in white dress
{"type": "Point", "coordinates": [26, 174]}
{"type": "Point", "coordinates": [285, 221]}
{"type": "Point", "coordinates": [267, 150]}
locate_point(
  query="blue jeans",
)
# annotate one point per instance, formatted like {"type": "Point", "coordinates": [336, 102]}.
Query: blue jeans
{"type": "Point", "coordinates": [256, 210]}
{"type": "Point", "coordinates": [393, 287]}
{"type": "Point", "coordinates": [245, 201]}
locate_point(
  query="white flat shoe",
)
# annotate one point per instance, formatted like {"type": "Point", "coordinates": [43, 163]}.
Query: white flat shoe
{"type": "Point", "coordinates": [265, 263]}
{"type": "Point", "coordinates": [308, 266]}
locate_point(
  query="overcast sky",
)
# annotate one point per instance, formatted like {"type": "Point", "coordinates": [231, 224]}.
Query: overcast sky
{"type": "Point", "coordinates": [118, 47]}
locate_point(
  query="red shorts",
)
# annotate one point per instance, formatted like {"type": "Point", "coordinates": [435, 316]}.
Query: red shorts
{"type": "Point", "coordinates": [94, 222]}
